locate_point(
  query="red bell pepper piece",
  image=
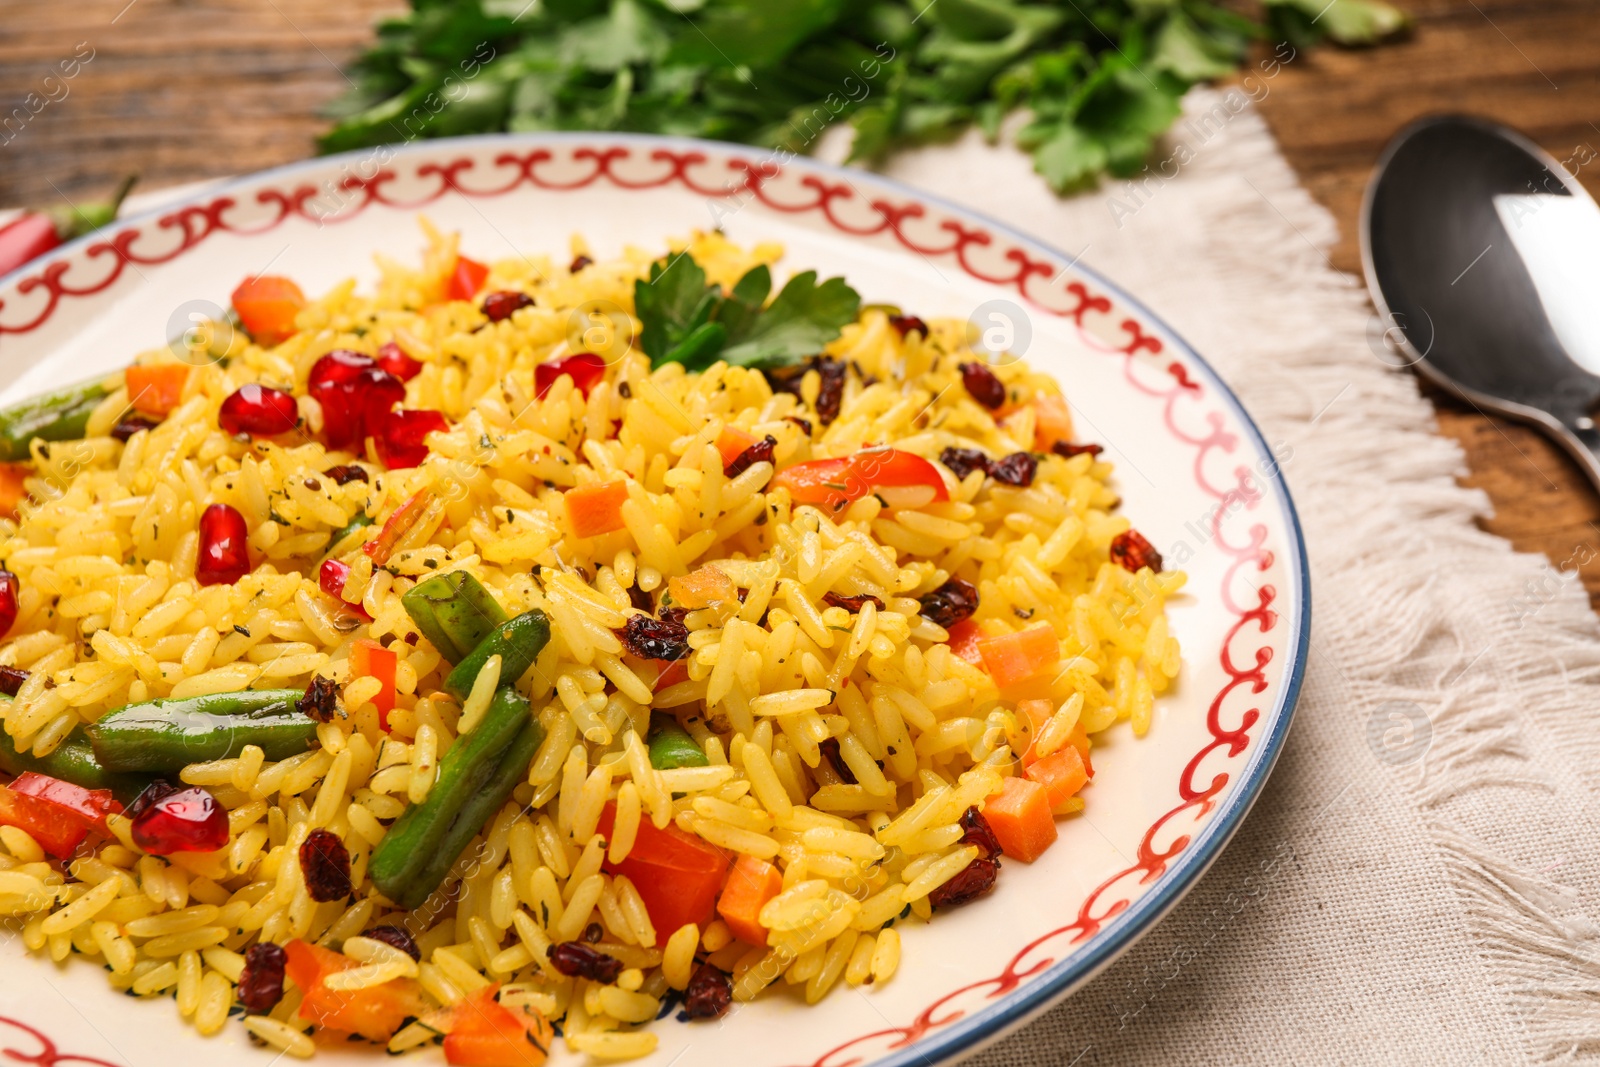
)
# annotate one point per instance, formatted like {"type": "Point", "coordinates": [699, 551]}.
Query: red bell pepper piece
{"type": "Point", "coordinates": [33, 233]}
{"type": "Point", "coordinates": [56, 814]}
{"type": "Point", "coordinates": [964, 637]}
{"type": "Point", "coordinates": [584, 368]}
{"type": "Point", "coordinates": [375, 1012]}
{"type": "Point", "coordinates": [396, 526]}
{"type": "Point", "coordinates": [678, 875]}
{"type": "Point", "coordinates": [486, 1033]}
{"type": "Point", "coordinates": [900, 479]}
{"type": "Point", "coordinates": [466, 280]}
{"type": "Point", "coordinates": [368, 659]}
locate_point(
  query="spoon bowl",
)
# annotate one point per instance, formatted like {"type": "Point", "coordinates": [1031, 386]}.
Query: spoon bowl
{"type": "Point", "coordinates": [1482, 254]}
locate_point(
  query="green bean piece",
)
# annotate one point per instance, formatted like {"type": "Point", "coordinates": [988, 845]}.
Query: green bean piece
{"type": "Point", "coordinates": [59, 416]}
{"type": "Point", "coordinates": [672, 747]}
{"type": "Point", "coordinates": [362, 519]}
{"type": "Point", "coordinates": [72, 761]}
{"type": "Point", "coordinates": [454, 612]}
{"type": "Point", "coordinates": [475, 776]}
{"type": "Point", "coordinates": [517, 642]}
{"type": "Point", "coordinates": [164, 736]}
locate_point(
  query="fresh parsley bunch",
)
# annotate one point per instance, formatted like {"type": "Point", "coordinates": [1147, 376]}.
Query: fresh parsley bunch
{"type": "Point", "coordinates": [1099, 79]}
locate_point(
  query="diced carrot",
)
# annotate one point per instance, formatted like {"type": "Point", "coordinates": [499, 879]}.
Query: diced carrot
{"type": "Point", "coordinates": [156, 389]}
{"type": "Point", "coordinates": [1052, 422]}
{"type": "Point", "coordinates": [1021, 819]}
{"type": "Point", "coordinates": [12, 490]}
{"type": "Point", "coordinates": [1062, 774]}
{"type": "Point", "coordinates": [596, 508]}
{"type": "Point", "coordinates": [1079, 739]}
{"type": "Point", "coordinates": [702, 588]}
{"type": "Point", "coordinates": [375, 1012]}
{"type": "Point", "coordinates": [732, 441]}
{"type": "Point", "coordinates": [396, 526]}
{"type": "Point", "coordinates": [368, 659]}
{"type": "Point", "coordinates": [964, 641]}
{"type": "Point", "coordinates": [267, 306]}
{"type": "Point", "coordinates": [466, 280]}
{"type": "Point", "coordinates": [1013, 658]}
{"type": "Point", "coordinates": [486, 1033]}
{"type": "Point", "coordinates": [751, 884]}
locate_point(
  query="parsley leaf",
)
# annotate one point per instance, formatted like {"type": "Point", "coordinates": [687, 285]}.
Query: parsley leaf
{"type": "Point", "coordinates": [684, 320]}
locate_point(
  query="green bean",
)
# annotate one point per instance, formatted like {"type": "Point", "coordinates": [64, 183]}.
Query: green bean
{"type": "Point", "coordinates": [164, 736]}
{"type": "Point", "coordinates": [671, 746]}
{"type": "Point", "coordinates": [517, 642]}
{"type": "Point", "coordinates": [72, 761]}
{"type": "Point", "coordinates": [475, 777]}
{"type": "Point", "coordinates": [59, 416]}
{"type": "Point", "coordinates": [454, 612]}
{"type": "Point", "coordinates": [361, 519]}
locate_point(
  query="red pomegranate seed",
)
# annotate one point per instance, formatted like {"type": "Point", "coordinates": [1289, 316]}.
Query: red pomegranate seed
{"type": "Point", "coordinates": [355, 393]}
{"type": "Point", "coordinates": [397, 363]}
{"type": "Point", "coordinates": [258, 410]}
{"type": "Point", "coordinates": [402, 436]}
{"type": "Point", "coordinates": [10, 587]}
{"type": "Point", "coordinates": [224, 556]}
{"type": "Point", "coordinates": [189, 820]}
{"type": "Point", "coordinates": [331, 577]}
{"type": "Point", "coordinates": [584, 368]}
{"type": "Point", "coordinates": [497, 306]}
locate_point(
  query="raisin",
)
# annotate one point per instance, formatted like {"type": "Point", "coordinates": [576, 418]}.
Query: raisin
{"type": "Point", "coordinates": [578, 263]}
{"type": "Point", "coordinates": [593, 933]}
{"type": "Point", "coordinates": [650, 638]}
{"type": "Point", "coordinates": [395, 937]}
{"type": "Point", "coordinates": [953, 601]}
{"type": "Point", "coordinates": [640, 599]}
{"type": "Point", "coordinates": [709, 994]}
{"type": "Point", "coordinates": [906, 325]}
{"type": "Point", "coordinates": [1068, 449]}
{"type": "Point", "coordinates": [577, 960]}
{"type": "Point", "coordinates": [11, 680]}
{"type": "Point", "coordinates": [983, 385]}
{"type": "Point", "coordinates": [830, 752]}
{"type": "Point", "coordinates": [676, 615]}
{"type": "Point", "coordinates": [852, 604]}
{"type": "Point", "coordinates": [977, 831]}
{"type": "Point", "coordinates": [345, 473]}
{"type": "Point", "coordinates": [963, 461]}
{"type": "Point", "coordinates": [325, 865]}
{"type": "Point", "coordinates": [1015, 469]}
{"type": "Point", "coordinates": [131, 424]}
{"type": "Point", "coordinates": [261, 981]}
{"type": "Point", "coordinates": [831, 393]}
{"type": "Point", "coordinates": [497, 306]}
{"type": "Point", "coordinates": [760, 452]}
{"type": "Point", "coordinates": [804, 424]}
{"type": "Point", "coordinates": [1133, 553]}
{"type": "Point", "coordinates": [321, 700]}
{"type": "Point", "coordinates": [974, 880]}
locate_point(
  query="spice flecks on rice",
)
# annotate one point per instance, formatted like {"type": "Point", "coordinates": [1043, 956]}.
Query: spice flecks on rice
{"type": "Point", "coordinates": [857, 673]}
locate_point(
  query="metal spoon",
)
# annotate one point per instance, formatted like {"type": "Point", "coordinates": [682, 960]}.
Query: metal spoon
{"type": "Point", "coordinates": [1482, 255]}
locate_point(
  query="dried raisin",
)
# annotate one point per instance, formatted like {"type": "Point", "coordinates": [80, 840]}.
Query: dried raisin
{"type": "Point", "coordinates": [963, 461]}
{"type": "Point", "coordinates": [977, 831]}
{"type": "Point", "coordinates": [578, 960]}
{"type": "Point", "coordinates": [1067, 449]}
{"type": "Point", "coordinates": [953, 601]}
{"type": "Point", "coordinates": [852, 604]}
{"type": "Point", "coordinates": [321, 699]}
{"type": "Point", "coordinates": [709, 994]}
{"type": "Point", "coordinates": [1016, 469]}
{"type": "Point", "coordinates": [984, 386]}
{"type": "Point", "coordinates": [325, 866]}
{"type": "Point", "coordinates": [261, 981]}
{"type": "Point", "coordinates": [132, 423]}
{"type": "Point", "coordinates": [1132, 552]}
{"type": "Point", "coordinates": [345, 473]}
{"type": "Point", "coordinates": [760, 452]}
{"type": "Point", "coordinates": [11, 680]}
{"type": "Point", "coordinates": [974, 880]}
{"type": "Point", "coordinates": [906, 325]}
{"type": "Point", "coordinates": [650, 638]}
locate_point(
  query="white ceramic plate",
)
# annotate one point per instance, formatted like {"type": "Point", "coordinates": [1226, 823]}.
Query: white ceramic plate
{"type": "Point", "coordinates": [1196, 478]}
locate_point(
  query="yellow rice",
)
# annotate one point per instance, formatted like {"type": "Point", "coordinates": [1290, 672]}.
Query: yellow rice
{"type": "Point", "coordinates": [111, 614]}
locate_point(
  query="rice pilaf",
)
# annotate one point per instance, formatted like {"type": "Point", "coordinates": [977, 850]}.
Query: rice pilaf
{"type": "Point", "coordinates": [786, 677]}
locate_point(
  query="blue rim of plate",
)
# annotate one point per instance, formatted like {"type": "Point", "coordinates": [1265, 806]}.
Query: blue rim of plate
{"type": "Point", "coordinates": [990, 1024]}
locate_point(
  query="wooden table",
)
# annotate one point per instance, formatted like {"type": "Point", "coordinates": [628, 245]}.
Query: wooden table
{"type": "Point", "coordinates": [184, 89]}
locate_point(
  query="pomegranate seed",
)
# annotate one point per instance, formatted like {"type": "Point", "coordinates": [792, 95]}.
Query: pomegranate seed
{"type": "Point", "coordinates": [256, 409]}
{"type": "Point", "coordinates": [186, 820]}
{"type": "Point", "coordinates": [224, 556]}
{"type": "Point", "coordinates": [584, 368]}
{"type": "Point", "coordinates": [331, 577]}
{"type": "Point", "coordinates": [10, 587]}
{"type": "Point", "coordinates": [355, 393]}
{"type": "Point", "coordinates": [402, 435]}
{"type": "Point", "coordinates": [497, 306]}
{"type": "Point", "coordinates": [397, 363]}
